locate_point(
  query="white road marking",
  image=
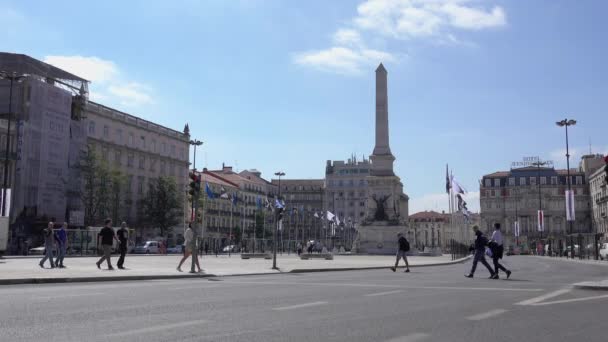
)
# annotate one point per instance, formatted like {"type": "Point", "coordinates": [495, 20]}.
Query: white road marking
{"type": "Point", "coordinates": [382, 293]}
{"type": "Point", "coordinates": [571, 300]}
{"type": "Point", "coordinates": [486, 315]}
{"type": "Point", "coordinates": [543, 297]}
{"type": "Point", "coordinates": [200, 286]}
{"type": "Point", "coordinates": [62, 296]}
{"type": "Point", "coordinates": [409, 338]}
{"type": "Point", "coordinates": [385, 286]}
{"type": "Point", "coordinates": [156, 328]}
{"type": "Point", "coordinates": [305, 305]}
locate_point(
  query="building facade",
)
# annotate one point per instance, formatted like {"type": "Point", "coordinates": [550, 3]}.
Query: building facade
{"type": "Point", "coordinates": [346, 188]}
{"type": "Point", "coordinates": [141, 150]}
{"type": "Point", "coordinates": [599, 199]}
{"type": "Point", "coordinates": [303, 198]}
{"type": "Point", "coordinates": [517, 195]}
{"type": "Point", "coordinates": [52, 125]}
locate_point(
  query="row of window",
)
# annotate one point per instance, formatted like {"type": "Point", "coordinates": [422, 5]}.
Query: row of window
{"type": "Point", "coordinates": [351, 182]}
{"type": "Point", "coordinates": [141, 143]}
{"type": "Point", "coordinates": [578, 180]}
{"type": "Point", "coordinates": [514, 192]}
{"type": "Point", "coordinates": [143, 162]}
{"type": "Point", "coordinates": [352, 171]}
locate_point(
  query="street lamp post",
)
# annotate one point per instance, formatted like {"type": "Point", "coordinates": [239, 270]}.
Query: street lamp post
{"type": "Point", "coordinates": [194, 143]}
{"type": "Point", "coordinates": [538, 164]}
{"type": "Point", "coordinates": [566, 123]}
{"type": "Point", "coordinates": [276, 228]}
{"type": "Point", "coordinates": [12, 78]}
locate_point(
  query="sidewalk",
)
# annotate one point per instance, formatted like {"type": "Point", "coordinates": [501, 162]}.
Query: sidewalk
{"type": "Point", "coordinates": [81, 269]}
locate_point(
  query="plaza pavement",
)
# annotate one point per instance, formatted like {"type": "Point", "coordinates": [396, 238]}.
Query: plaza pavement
{"type": "Point", "coordinates": [26, 270]}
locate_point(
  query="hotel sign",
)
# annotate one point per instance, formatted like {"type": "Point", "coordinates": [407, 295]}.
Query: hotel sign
{"type": "Point", "coordinates": [531, 161]}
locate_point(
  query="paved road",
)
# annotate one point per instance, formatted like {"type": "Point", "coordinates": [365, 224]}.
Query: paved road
{"type": "Point", "coordinates": [428, 304]}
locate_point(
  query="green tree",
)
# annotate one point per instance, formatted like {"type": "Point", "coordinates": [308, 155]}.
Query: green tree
{"type": "Point", "coordinates": [102, 190]}
{"type": "Point", "coordinates": [161, 205]}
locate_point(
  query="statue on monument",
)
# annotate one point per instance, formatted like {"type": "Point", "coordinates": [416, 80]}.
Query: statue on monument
{"type": "Point", "coordinates": [380, 214]}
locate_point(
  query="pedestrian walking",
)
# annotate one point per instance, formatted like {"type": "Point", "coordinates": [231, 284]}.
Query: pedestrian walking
{"type": "Point", "coordinates": [123, 238]}
{"type": "Point", "coordinates": [49, 245]}
{"type": "Point", "coordinates": [480, 249]}
{"type": "Point", "coordinates": [107, 236]}
{"type": "Point", "coordinates": [404, 247]}
{"type": "Point", "coordinates": [299, 248]}
{"type": "Point", "coordinates": [190, 249]}
{"type": "Point", "coordinates": [61, 236]}
{"type": "Point", "coordinates": [496, 245]}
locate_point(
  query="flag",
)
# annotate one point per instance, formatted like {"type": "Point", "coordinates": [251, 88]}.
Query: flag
{"type": "Point", "coordinates": [279, 204]}
{"type": "Point", "coordinates": [258, 202]}
{"type": "Point", "coordinates": [210, 193]}
{"type": "Point", "coordinates": [268, 204]}
{"type": "Point", "coordinates": [330, 216]}
{"type": "Point", "coordinates": [570, 205]}
{"type": "Point", "coordinates": [337, 220]}
{"type": "Point", "coordinates": [316, 214]}
{"type": "Point", "coordinates": [234, 199]}
{"type": "Point", "coordinates": [541, 220]}
{"type": "Point", "coordinates": [516, 228]}
{"type": "Point", "coordinates": [457, 188]}
{"type": "Point", "coordinates": [447, 180]}
{"type": "Point", "coordinates": [223, 193]}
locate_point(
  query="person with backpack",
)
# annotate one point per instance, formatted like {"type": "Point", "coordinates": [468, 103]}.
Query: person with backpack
{"type": "Point", "coordinates": [480, 249]}
{"type": "Point", "coordinates": [404, 247]}
{"type": "Point", "coordinates": [49, 245]}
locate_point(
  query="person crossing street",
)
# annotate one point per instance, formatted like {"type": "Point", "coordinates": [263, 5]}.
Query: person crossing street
{"type": "Point", "coordinates": [496, 245]}
{"type": "Point", "coordinates": [404, 247]}
{"type": "Point", "coordinates": [49, 245]}
{"type": "Point", "coordinates": [480, 249]}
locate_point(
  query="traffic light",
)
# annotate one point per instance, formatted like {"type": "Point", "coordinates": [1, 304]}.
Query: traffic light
{"type": "Point", "coordinates": [198, 185]}
{"type": "Point", "coordinates": [280, 213]}
{"type": "Point", "coordinates": [199, 217]}
{"type": "Point", "coordinates": [193, 184]}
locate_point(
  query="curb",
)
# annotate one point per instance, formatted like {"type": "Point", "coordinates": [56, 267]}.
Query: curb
{"type": "Point", "coordinates": [313, 270]}
{"type": "Point", "coordinates": [19, 281]}
{"type": "Point", "coordinates": [590, 286]}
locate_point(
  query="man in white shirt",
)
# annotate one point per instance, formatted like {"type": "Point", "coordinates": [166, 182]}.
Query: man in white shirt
{"type": "Point", "coordinates": [496, 244]}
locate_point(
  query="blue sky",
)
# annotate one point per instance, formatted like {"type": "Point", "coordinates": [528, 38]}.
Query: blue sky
{"type": "Point", "coordinates": [287, 85]}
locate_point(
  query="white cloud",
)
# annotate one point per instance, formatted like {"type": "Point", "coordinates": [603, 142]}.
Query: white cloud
{"type": "Point", "coordinates": [439, 202]}
{"type": "Point", "coordinates": [343, 60]}
{"type": "Point", "coordinates": [131, 94]}
{"type": "Point", "coordinates": [347, 37]}
{"type": "Point", "coordinates": [93, 69]}
{"type": "Point", "coordinates": [405, 19]}
{"type": "Point", "coordinates": [399, 19]}
{"type": "Point", "coordinates": [108, 81]}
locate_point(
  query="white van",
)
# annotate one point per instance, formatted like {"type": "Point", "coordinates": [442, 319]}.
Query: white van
{"type": "Point", "coordinates": [149, 247]}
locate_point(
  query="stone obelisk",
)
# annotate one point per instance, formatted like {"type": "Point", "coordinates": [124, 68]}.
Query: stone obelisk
{"type": "Point", "coordinates": [387, 205]}
{"type": "Point", "coordinates": [382, 158]}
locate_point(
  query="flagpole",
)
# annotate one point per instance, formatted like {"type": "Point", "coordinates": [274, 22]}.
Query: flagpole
{"type": "Point", "coordinates": [230, 229]}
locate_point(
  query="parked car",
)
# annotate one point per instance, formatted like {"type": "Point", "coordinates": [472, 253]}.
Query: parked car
{"type": "Point", "coordinates": [567, 252]}
{"type": "Point", "coordinates": [149, 247]}
{"type": "Point", "coordinates": [230, 249]}
{"type": "Point", "coordinates": [604, 251]}
{"type": "Point", "coordinates": [37, 250]}
{"type": "Point", "coordinates": [177, 249]}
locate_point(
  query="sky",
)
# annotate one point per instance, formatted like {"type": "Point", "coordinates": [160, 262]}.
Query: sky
{"type": "Point", "coordinates": [287, 85]}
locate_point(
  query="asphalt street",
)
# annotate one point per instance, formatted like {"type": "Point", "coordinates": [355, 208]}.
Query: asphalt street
{"type": "Point", "coordinates": [428, 304]}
